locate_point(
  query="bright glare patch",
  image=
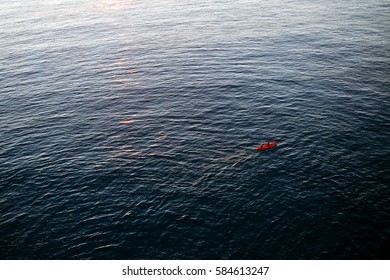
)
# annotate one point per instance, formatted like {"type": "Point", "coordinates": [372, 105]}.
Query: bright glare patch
{"type": "Point", "coordinates": [110, 5]}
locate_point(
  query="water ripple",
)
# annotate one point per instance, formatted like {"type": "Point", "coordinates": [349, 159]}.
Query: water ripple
{"type": "Point", "coordinates": [132, 135]}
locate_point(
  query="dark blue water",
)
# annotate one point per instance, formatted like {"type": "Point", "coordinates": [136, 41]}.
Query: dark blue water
{"type": "Point", "coordinates": [129, 129]}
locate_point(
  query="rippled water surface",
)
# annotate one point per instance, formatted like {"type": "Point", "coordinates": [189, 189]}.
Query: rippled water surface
{"type": "Point", "coordinates": [129, 129]}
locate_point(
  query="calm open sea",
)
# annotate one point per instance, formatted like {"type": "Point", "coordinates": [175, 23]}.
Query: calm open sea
{"type": "Point", "coordinates": [129, 129]}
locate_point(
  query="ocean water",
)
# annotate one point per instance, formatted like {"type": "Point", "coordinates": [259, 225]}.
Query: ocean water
{"type": "Point", "coordinates": [129, 129]}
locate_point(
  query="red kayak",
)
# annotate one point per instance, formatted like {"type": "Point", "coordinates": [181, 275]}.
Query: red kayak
{"type": "Point", "coordinates": [266, 146]}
